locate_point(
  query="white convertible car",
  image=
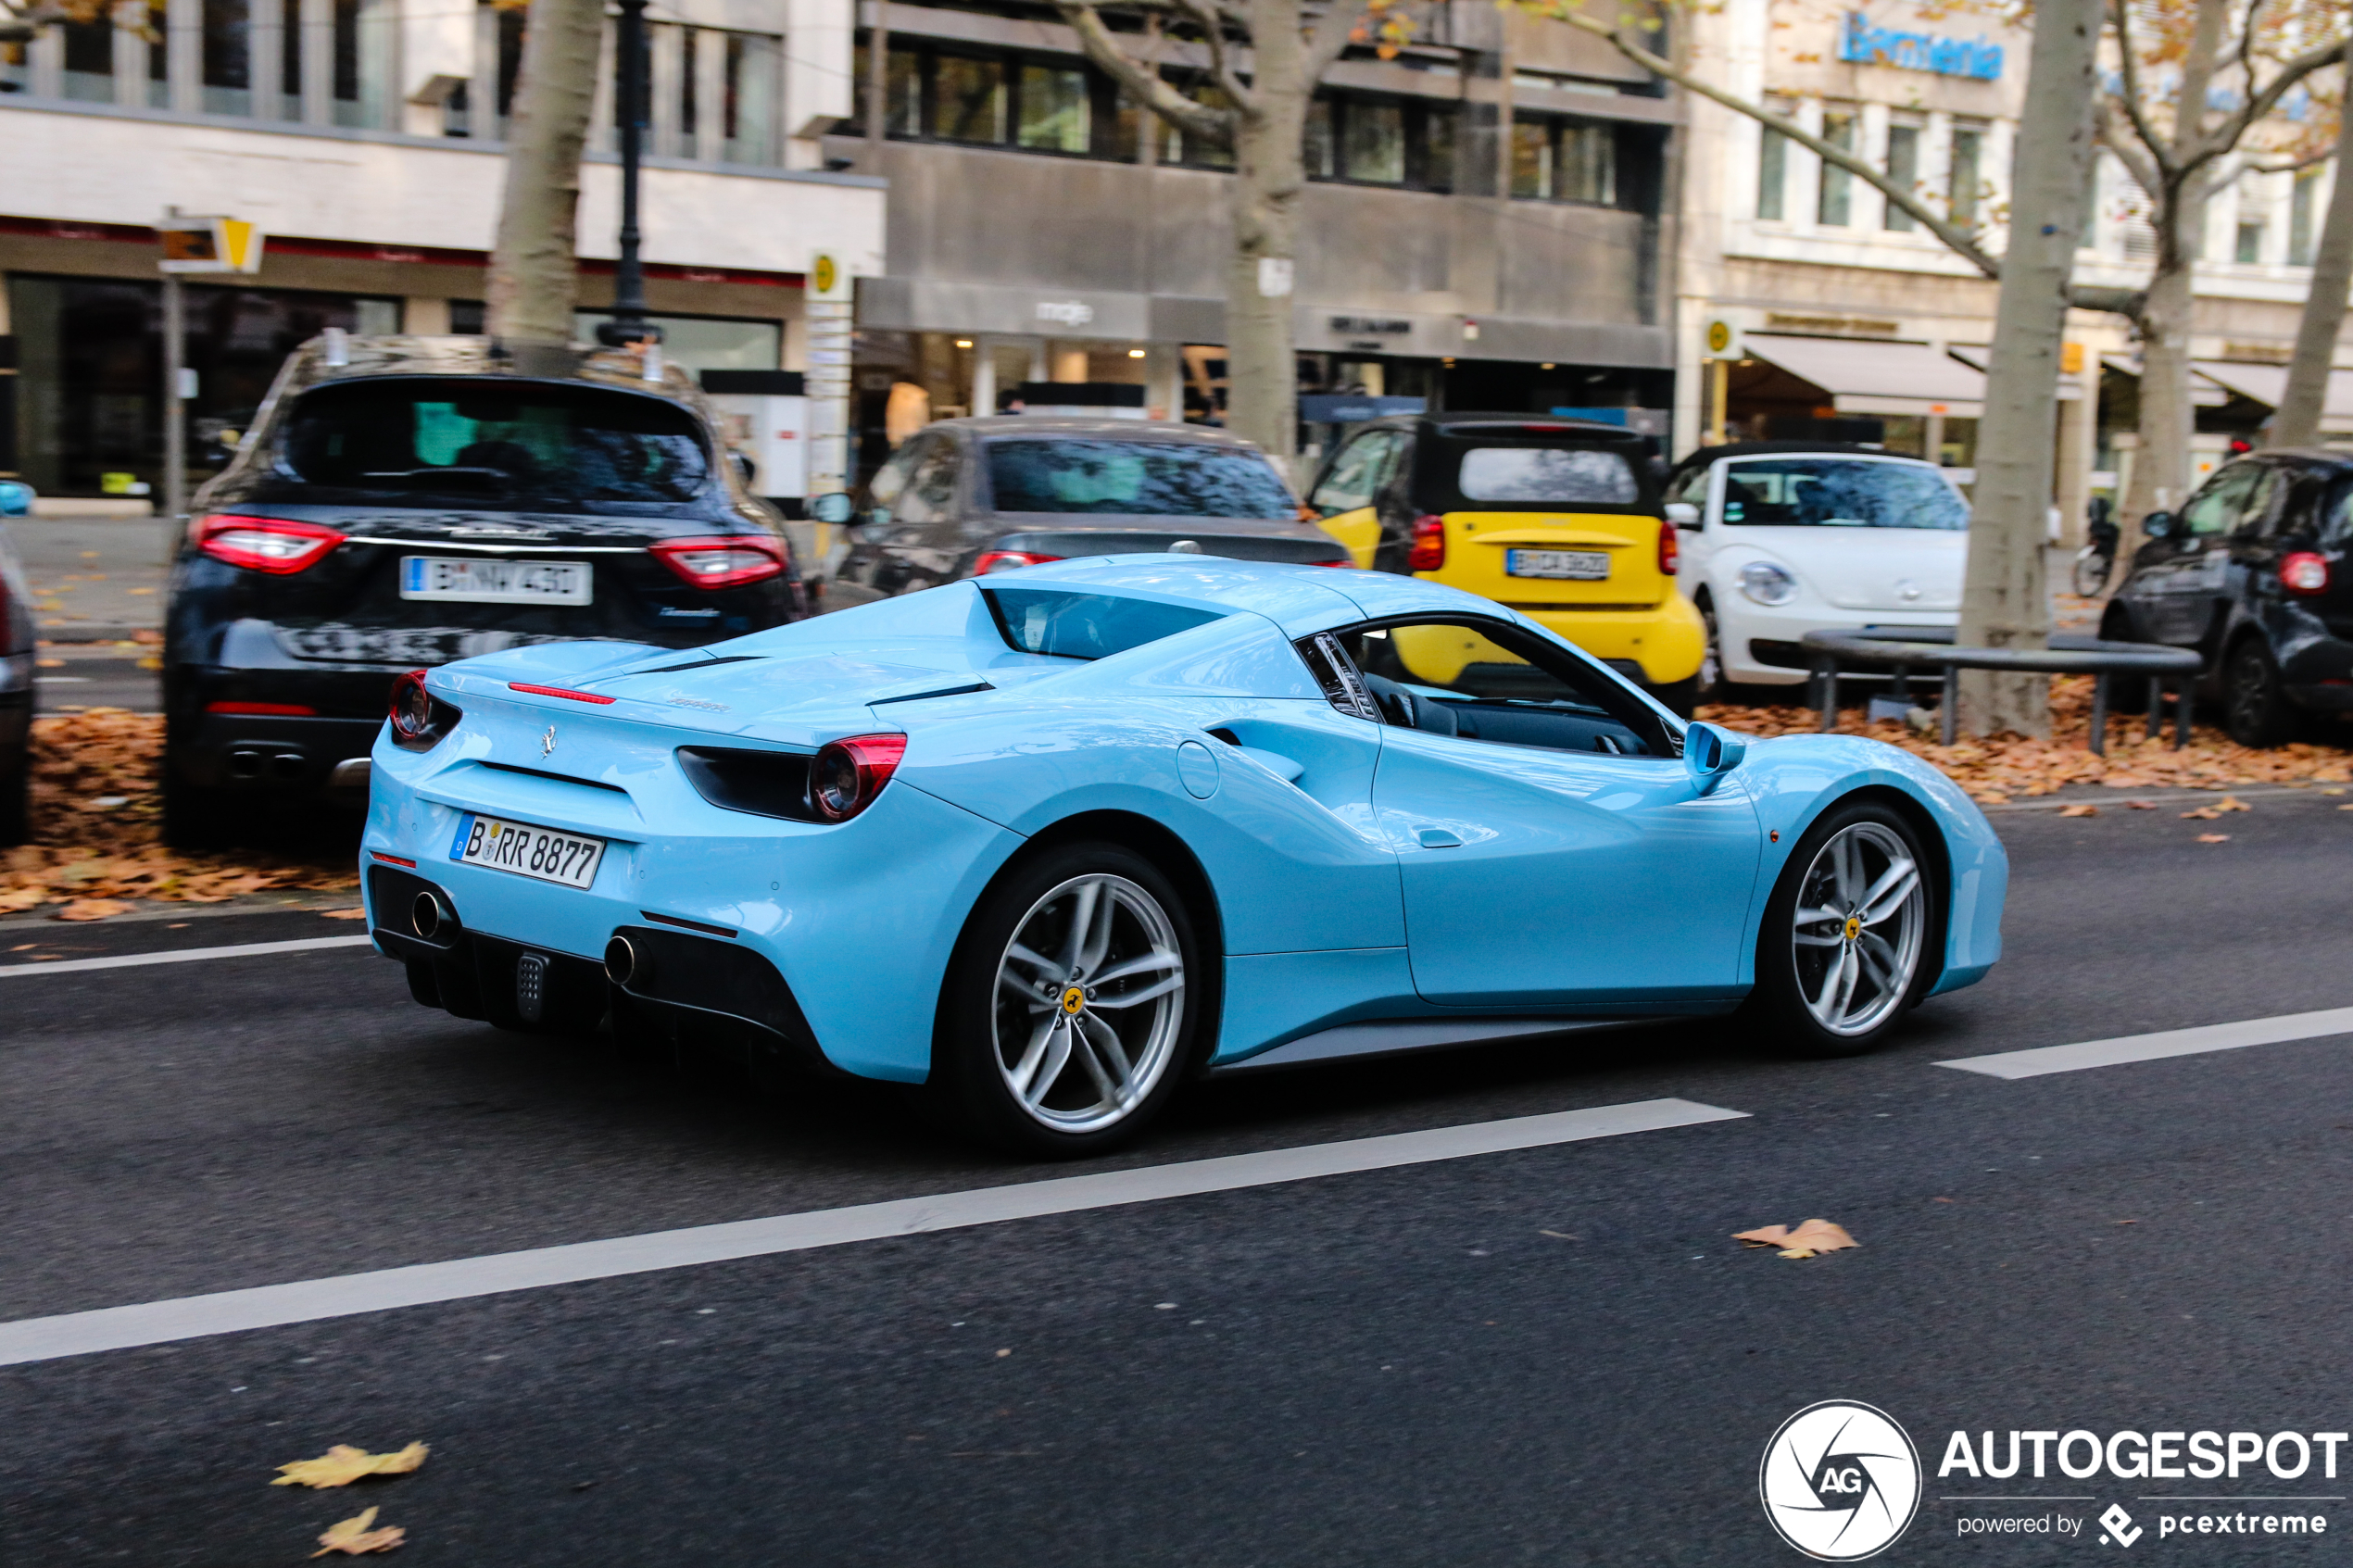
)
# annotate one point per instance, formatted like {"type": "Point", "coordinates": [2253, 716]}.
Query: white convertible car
{"type": "Point", "coordinates": [1780, 538]}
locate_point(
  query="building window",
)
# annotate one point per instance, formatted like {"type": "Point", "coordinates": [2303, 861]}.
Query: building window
{"type": "Point", "coordinates": [1316, 141]}
{"type": "Point", "coordinates": [2249, 248]}
{"type": "Point", "coordinates": [1055, 113]}
{"type": "Point", "coordinates": [88, 63]}
{"type": "Point", "coordinates": [968, 98]}
{"type": "Point", "coordinates": [1773, 165]}
{"type": "Point", "coordinates": [1381, 142]}
{"type": "Point", "coordinates": [227, 68]}
{"type": "Point", "coordinates": [754, 65]}
{"type": "Point", "coordinates": [1373, 143]}
{"type": "Point", "coordinates": [1904, 168]}
{"type": "Point", "coordinates": [1571, 160]}
{"type": "Point", "coordinates": [1055, 107]}
{"type": "Point", "coordinates": [1963, 176]}
{"type": "Point", "coordinates": [1193, 151]}
{"type": "Point", "coordinates": [1833, 209]}
{"type": "Point", "coordinates": [2299, 218]}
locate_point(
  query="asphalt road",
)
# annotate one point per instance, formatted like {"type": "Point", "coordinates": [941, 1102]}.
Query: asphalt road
{"type": "Point", "coordinates": [1557, 1355]}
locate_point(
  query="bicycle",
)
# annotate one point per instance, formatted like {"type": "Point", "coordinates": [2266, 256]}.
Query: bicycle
{"type": "Point", "coordinates": [2097, 559]}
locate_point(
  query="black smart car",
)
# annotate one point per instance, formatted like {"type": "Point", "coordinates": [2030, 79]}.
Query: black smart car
{"type": "Point", "coordinates": [965, 497]}
{"type": "Point", "coordinates": [16, 674]}
{"type": "Point", "coordinates": [2253, 573]}
{"type": "Point", "coordinates": [406, 501]}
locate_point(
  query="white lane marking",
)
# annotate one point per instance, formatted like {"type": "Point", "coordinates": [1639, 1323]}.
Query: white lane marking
{"type": "Point", "coordinates": [233, 1312]}
{"type": "Point", "coordinates": [186, 955]}
{"type": "Point", "coordinates": [2151, 1048]}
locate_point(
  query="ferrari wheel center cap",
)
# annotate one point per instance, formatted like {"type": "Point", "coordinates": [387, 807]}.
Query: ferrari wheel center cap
{"type": "Point", "coordinates": [1074, 1000]}
{"type": "Point", "coordinates": [1854, 927]}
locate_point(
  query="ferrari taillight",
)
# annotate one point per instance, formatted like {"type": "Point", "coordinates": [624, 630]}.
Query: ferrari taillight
{"type": "Point", "coordinates": [846, 775]}
{"type": "Point", "coordinates": [728, 561]}
{"type": "Point", "coordinates": [2305, 573]}
{"type": "Point", "coordinates": [1429, 551]}
{"type": "Point", "coordinates": [419, 718]}
{"type": "Point", "coordinates": [277, 545]}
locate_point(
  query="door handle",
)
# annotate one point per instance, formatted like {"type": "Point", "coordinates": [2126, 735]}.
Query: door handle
{"type": "Point", "coordinates": [1437, 839]}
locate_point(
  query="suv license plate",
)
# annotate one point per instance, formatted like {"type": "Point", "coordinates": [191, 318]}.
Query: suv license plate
{"type": "Point", "coordinates": [494, 582]}
{"type": "Point", "coordinates": [543, 853]}
{"type": "Point", "coordinates": [1580, 565]}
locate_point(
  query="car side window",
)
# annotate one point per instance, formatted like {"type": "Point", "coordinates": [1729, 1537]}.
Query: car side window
{"type": "Point", "coordinates": [1485, 680]}
{"type": "Point", "coordinates": [1355, 475]}
{"type": "Point", "coordinates": [930, 494]}
{"type": "Point", "coordinates": [2215, 509]}
{"type": "Point", "coordinates": [1690, 485]}
{"type": "Point", "coordinates": [2258, 511]}
{"type": "Point", "coordinates": [890, 480]}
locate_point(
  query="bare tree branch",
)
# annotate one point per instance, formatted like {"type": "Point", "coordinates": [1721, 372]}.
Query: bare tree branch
{"type": "Point", "coordinates": [1214, 126]}
{"type": "Point", "coordinates": [2119, 138]}
{"type": "Point", "coordinates": [1328, 39]}
{"type": "Point", "coordinates": [2225, 136]}
{"type": "Point", "coordinates": [2128, 59]}
{"type": "Point", "coordinates": [1207, 13]}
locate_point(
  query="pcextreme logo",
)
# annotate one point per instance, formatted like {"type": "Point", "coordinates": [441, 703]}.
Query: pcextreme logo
{"type": "Point", "coordinates": [1841, 1481]}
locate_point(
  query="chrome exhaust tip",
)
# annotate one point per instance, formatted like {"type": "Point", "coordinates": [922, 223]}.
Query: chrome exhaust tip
{"type": "Point", "coordinates": [427, 915]}
{"type": "Point", "coordinates": [624, 963]}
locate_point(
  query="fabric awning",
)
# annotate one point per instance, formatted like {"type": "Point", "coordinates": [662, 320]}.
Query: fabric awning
{"type": "Point", "coordinates": [2205, 390]}
{"type": "Point", "coordinates": [1866, 377]}
{"type": "Point", "coordinates": [2268, 383]}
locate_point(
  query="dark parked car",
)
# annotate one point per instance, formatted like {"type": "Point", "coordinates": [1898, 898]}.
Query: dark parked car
{"type": "Point", "coordinates": [2253, 573]}
{"type": "Point", "coordinates": [406, 501]}
{"type": "Point", "coordinates": [16, 672]}
{"type": "Point", "coordinates": [964, 497]}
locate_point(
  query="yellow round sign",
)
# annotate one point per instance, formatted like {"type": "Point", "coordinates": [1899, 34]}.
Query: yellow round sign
{"type": "Point", "coordinates": [1719, 336]}
{"type": "Point", "coordinates": [825, 274]}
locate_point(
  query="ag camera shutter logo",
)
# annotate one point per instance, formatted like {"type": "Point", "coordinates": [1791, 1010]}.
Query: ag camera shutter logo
{"type": "Point", "coordinates": [1841, 1481]}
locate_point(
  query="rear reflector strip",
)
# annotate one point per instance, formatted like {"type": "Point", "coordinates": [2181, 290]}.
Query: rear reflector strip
{"type": "Point", "coordinates": [558, 691]}
{"type": "Point", "coordinates": [686, 924]}
{"type": "Point", "coordinates": [393, 860]}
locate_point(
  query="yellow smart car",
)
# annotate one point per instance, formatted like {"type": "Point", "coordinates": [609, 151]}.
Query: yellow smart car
{"type": "Point", "coordinates": [1557, 518]}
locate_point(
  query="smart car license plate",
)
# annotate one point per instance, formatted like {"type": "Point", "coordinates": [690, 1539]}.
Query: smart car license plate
{"type": "Point", "coordinates": [1580, 565]}
{"type": "Point", "coordinates": [494, 582]}
{"type": "Point", "coordinates": [525, 850]}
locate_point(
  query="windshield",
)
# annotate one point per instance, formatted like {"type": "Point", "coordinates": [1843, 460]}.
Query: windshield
{"type": "Point", "coordinates": [1556, 476]}
{"type": "Point", "coordinates": [420, 442]}
{"type": "Point", "coordinates": [1137, 479]}
{"type": "Point", "coordinates": [1840, 493]}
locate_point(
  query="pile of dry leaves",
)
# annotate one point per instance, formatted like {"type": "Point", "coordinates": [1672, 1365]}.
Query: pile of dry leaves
{"type": "Point", "coordinates": [97, 829]}
{"type": "Point", "coordinates": [2004, 766]}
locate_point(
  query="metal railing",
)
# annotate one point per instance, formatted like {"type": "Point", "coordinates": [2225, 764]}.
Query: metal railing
{"type": "Point", "coordinates": [1903, 648]}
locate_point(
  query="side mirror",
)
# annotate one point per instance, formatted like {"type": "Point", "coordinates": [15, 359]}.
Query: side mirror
{"type": "Point", "coordinates": [1682, 514]}
{"type": "Point", "coordinates": [1711, 752]}
{"type": "Point", "coordinates": [832, 506]}
{"type": "Point", "coordinates": [16, 500]}
{"type": "Point", "coordinates": [2158, 525]}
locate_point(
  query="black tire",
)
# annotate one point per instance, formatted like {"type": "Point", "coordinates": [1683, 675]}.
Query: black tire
{"type": "Point", "coordinates": [1711, 683]}
{"type": "Point", "coordinates": [15, 803]}
{"type": "Point", "coordinates": [2256, 708]}
{"type": "Point", "coordinates": [972, 1071]}
{"type": "Point", "coordinates": [2091, 574]}
{"type": "Point", "coordinates": [1778, 1007]}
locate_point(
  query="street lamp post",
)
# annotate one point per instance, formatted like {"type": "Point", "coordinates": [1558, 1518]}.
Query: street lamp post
{"type": "Point", "coordinates": [629, 324]}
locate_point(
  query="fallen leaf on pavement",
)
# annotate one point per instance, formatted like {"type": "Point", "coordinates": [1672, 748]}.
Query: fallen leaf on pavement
{"type": "Point", "coordinates": [360, 913]}
{"type": "Point", "coordinates": [2125, 1221]}
{"type": "Point", "coordinates": [2203, 814]}
{"type": "Point", "coordinates": [2214, 838]}
{"type": "Point", "coordinates": [2142, 804]}
{"type": "Point", "coordinates": [2231, 803]}
{"type": "Point", "coordinates": [92, 909]}
{"type": "Point", "coordinates": [352, 1536]}
{"type": "Point", "coordinates": [2078, 810]}
{"type": "Point", "coordinates": [1813, 1237]}
{"type": "Point", "coordinates": [343, 1464]}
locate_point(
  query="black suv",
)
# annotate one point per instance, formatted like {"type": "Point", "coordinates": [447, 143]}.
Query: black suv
{"type": "Point", "coordinates": [2252, 572]}
{"type": "Point", "coordinates": [406, 501]}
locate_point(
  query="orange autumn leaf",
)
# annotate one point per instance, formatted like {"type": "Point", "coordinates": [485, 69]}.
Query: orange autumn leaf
{"type": "Point", "coordinates": [93, 909]}
{"type": "Point", "coordinates": [2203, 814]}
{"type": "Point", "coordinates": [2214, 838]}
{"type": "Point", "coordinates": [343, 1464]}
{"type": "Point", "coordinates": [1806, 1240]}
{"type": "Point", "coordinates": [2078, 810]}
{"type": "Point", "coordinates": [352, 1536]}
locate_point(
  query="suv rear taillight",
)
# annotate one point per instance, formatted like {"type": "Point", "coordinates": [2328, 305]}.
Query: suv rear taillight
{"type": "Point", "coordinates": [728, 561]}
{"type": "Point", "coordinates": [1428, 552]}
{"type": "Point", "coordinates": [846, 775]}
{"type": "Point", "coordinates": [1008, 561]}
{"type": "Point", "coordinates": [2305, 573]}
{"type": "Point", "coordinates": [274, 544]}
{"type": "Point", "coordinates": [1670, 550]}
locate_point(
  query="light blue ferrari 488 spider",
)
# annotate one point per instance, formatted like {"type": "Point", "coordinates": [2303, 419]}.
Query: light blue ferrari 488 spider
{"type": "Point", "coordinates": [1051, 842]}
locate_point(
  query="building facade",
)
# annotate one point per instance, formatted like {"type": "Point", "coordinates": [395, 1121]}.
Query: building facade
{"type": "Point", "coordinates": [364, 137]}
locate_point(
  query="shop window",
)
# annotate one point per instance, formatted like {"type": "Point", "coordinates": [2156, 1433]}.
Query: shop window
{"type": "Point", "coordinates": [692, 343]}
{"type": "Point", "coordinates": [227, 66]}
{"type": "Point", "coordinates": [968, 99]}
{"type": "Point", "coordinates": [1965, 177]}
{"type": "Point", "coordinates": [1834, 207]}
{"type": "Point", "coordinates": [1904, 168]}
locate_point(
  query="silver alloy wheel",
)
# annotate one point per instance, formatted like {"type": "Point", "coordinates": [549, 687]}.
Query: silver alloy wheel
{"type": "Point", "coordinates": [1089, 1001]}
{"type": "Point", "coordinates": [1862, 915]}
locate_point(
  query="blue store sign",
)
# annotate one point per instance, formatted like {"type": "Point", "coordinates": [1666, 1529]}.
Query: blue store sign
{"type": "Point", "coordinates": [1863, 44]}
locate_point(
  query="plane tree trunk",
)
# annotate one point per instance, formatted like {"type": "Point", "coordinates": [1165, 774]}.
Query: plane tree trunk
{"type": "Point", "coordinates": [533, 281]}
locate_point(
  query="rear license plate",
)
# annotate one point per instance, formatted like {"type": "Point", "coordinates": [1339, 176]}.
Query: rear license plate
{"type": "Point", "coordinates": [1580, 565]}
{"type": "Point", "coordinates": [544, 853]}
{"type": "Point", "coordinates": [494, 582]}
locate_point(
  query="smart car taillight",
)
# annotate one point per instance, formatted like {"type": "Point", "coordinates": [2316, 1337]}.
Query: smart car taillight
{"type": "Point", "coordinates": [2303, 572]}
{"type": "Point", "coordinates": [1428, 552]}
{"type": "Point", "coordinates": [1669, 550]}
{"type": "Point", "coordinates": [847, 774]}
{"type": "Point", "coordinates": [728, 561]}
{"type": "Point", "coordinates": [1008, 561]}
{"type": "Point", "coordinates": [274, 544]}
